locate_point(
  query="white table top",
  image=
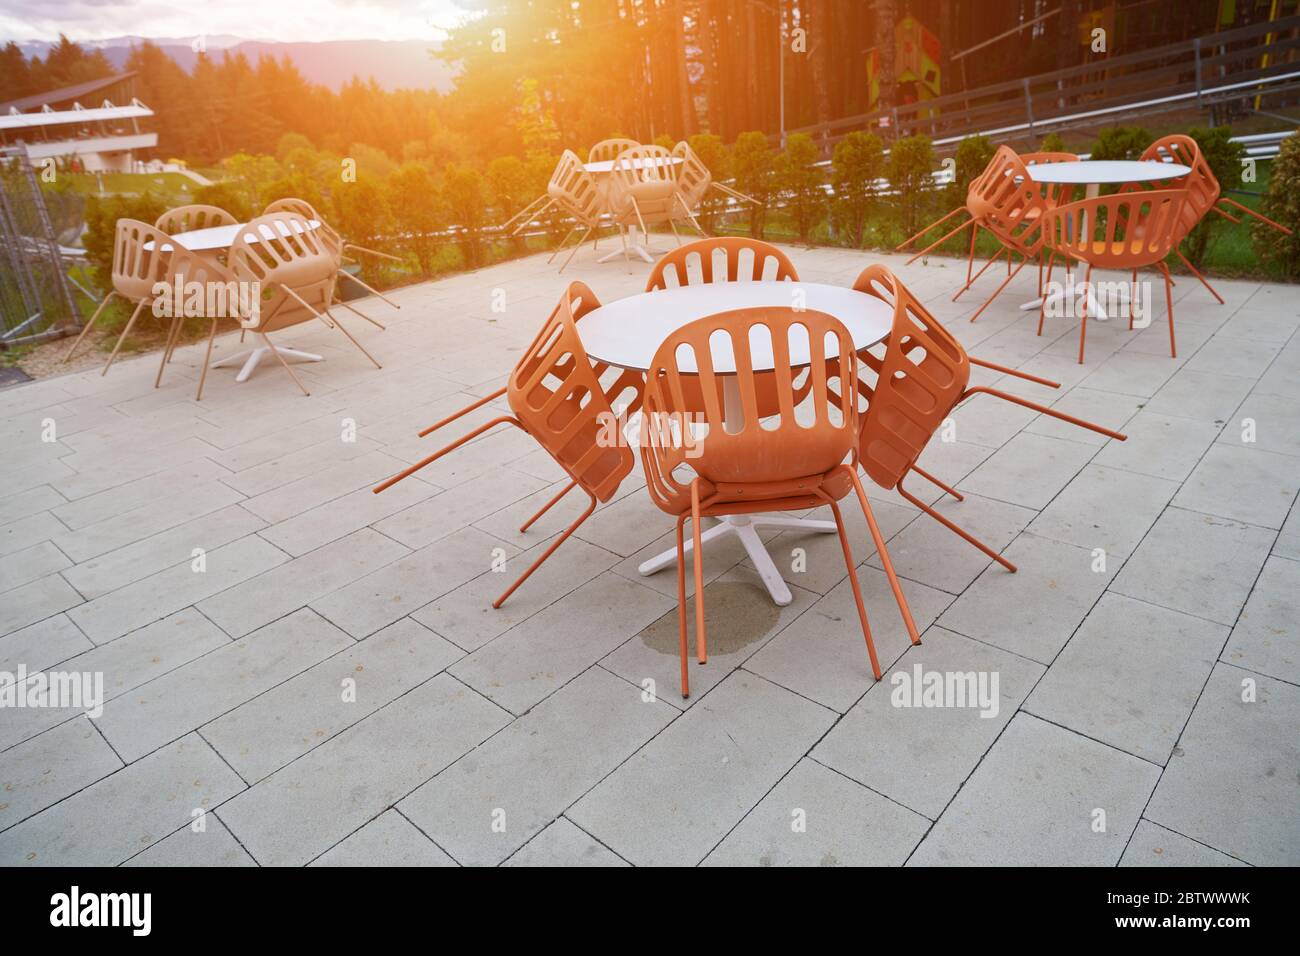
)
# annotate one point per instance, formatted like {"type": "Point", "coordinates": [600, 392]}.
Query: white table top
{"type": "Point", "coordinates": [222, 237]}
{"type": "Point", "coordinates": [607, 165]}
{"type": "Point", "coordinates": [628, 332]}
{"type": "Point", "coordinates": [1093, 172]}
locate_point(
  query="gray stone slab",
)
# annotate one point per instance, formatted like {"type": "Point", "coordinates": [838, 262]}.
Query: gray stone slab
{"type": "Point", "coordinates": [1242, 483]}
{"type": "Point", "coordinates": [1270, 422]}
{"type": "Point", "coordinates": [1196, 563]}
{"type": "Point", "coordinates": [376, 600]}
{"type": "Point", "coordinates": [261, 736]}
{"type": "Point", "coordinates": [1206, 396]}
{"type": "Point", "coordinates": [816, 817]}
{"type": "Point", "coordinates": [23, 567]}
{"type": "Point", "coordinates": [298, 812]}
{"type": "Point", "coordinates": [166, 592]}
{"type": "Point", "coordinates": [1105, 508]}
{"type": "Point", "coordinates": [1153, 845]}
{"type": "Point", "coordinates": [1109, 409]}
{"type": "Point", "coordinates": [563, 844]}
{"type": "Point", "coordinates": [22, 534]}
{"type": "Point", "coordinates": [45, 769]}
{"type": "Point", "coordinates": [388, 840]}
{"type": "Point", "coordinates": [333, 520]}
{"type": "Point", "coordinates": [213, 845]}
{"type": "Point", "coordinates": [35, 601]}
{"type": "Point", "coordinates": [446, 512]}
{"type": "Point", "coordinates": [41, 644]}
{"type": "Point", "coordinates": [204, 689]}
{"type": "Point", "coordinates": [1267, 636]}
{"type": "Point", "coordinates": [294, 584]}
{"type": "Point", "coordinates": [919, 756]}
{"type": "Point", "coordinates": [1034, 801]}
{"type": "Point", "coordinates": [1130, 676]}
{"type": "Point", "coordinates": [528, 662]}
{"type": "Point", "coordinates": [1159, 445]}
{"type": "Point", "coordinates": [125, 812]}
{"type": "Point", "coordinates": [1231, 782]}
{"type": "Point", "coordinates": [685, 790]}
{"type": "Point", "coordinates": [823, 654]}
{"type": "Point", "coordinates": [1029, 470]}
{"type": "Point", "coordinates": [489, 803]}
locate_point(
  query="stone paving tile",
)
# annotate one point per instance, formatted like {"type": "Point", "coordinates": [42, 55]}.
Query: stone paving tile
{"type": "Point", "coordinates": [40, 645]}
{"type": "Point", "coordinates": [1267, 636]}
{"type": "Point", "coordinates": [297, 813]}
{"type": "Point", "coordinates": [1034, 611]}
{"type": "Point", "coordinates": [261, 736]}
{"type": "Point", "coordinates": [919, 756]}
{"type": "Point", "coordinates": [1206, 396]}
{"type": "Point", "coordinates": [489, 803]}
{"type": "Point", "coordinates": [1108, 409]}
{"type": "Point", "coordinates": [465, 615]}
{"type": "Point", "coordinates": [563, 844]}
{"type": "Point", "coordinates": [1287, 544]}
{"type": "Point", "coordinates": [1159, 445]}
{"type": "Point", "coordinates": [140, 493]}
{"type": "Point", "coordinates": [213, 845]}
{"type": "Point", "coordinates": [816, 817]}
{"type": "Point", "coordinates": [371, 603]}
{"type": "Point", "coordinates": [22, 534]}
{"type": "Point", "coordinates": [324, 484]}
{"type": "Point", "coordinates": [1231, 781]}
{"type": "Point", "coordinates": [14, 506]}
{"type": "Point", "coordinates": [528, 662]}
{"type": "Point", "coordinates": [125, 812]}
{"type": "Point", "coordinates": [449, 511]}
{"type": "Point", "coordinates": [1104, 508]}
{"type": "Point", "coordinates": [1245, 484]}
{"type": "Point", "coordinates": [387, 840]}
{"type": "Point", "coordinates": [125, 565]}
{"type": "Point", "coordinates": [23, 567]}
{"type": "Point", "coordinates": [1275, 423]}
{"type": "Point", "coordinates": [823, 654]}
{"type": "Point", "coordinates": [242, 609]}
{"type": "Point", "coordinates": [198, 692]}
{"type": "Point", "coordinates": [1135, 702]}
{"type": "Point", "coordinates": [1196, 563]}
{"type": "Point", "coordinates": [1155, 846]}
{"type": "Point", "coordinates": [1029, 470]}
{"type": "Point", "coordinates": [35, 601]}
{"type": "Point", "coordinates": [1034, 801]}
{"type": "Point", "coordinates": [333, 520]}
{"type": "Point", "coordinates": [45, 769]}
{"type": "Point", "coordinates": [676, 799]}
{"type": "Point", "coordinates": [166, 592]}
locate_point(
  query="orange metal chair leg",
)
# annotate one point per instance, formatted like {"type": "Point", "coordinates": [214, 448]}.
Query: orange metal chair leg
{"type": "Point", "coordinates": [1196, 272]}
{"type": "Point", "coordinates": [1043, 409]}
{"type": "Point", "coordinates": [681, 608]}
{"type": "Point", "coordinates": [464, 411]}
{"type": "Point", "coordinates": [1169, 304]}
{"type": "Point", "coordinates": [996, 256]}
{"type": "Point", "coordinates": [1083, 310]}
{"type": "Point", "coordinates": [940, 241]}
{"type": "Point", "coordinates": [547, 553]}
{"type": "Point", "coordinates": [970, 254]}
{"type": "Point", "coordinates": [908, 496]}
{"type": "Point", "coordinates": [89, 325]}
{"type": "Point", "coordinates": [938, 222]}
{"type": "Point", "coordinates": [1250, 212]}
{"type": "Point", "coordinates": [1012, 371]}
{"type": "Point", "coordinates": [1042, 306]}
{"type": "Point", "coordinates": [886, 563]}
{"type": "Point", "coordinates": [953, 492]}
{"type": "Point", "coordinates": [547, 507]}
{"type": "Point", "coordinates": [697, 561]}
{"type": "Point", "coordinates": [857, 588]}
{"type": "Point", "coordinates": [997, 292]}
{"type": "Point", "coordinates": [406, 473]}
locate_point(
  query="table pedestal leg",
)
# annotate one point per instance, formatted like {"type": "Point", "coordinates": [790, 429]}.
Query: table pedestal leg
{"type": "Point", "coordinates": [253, 357]}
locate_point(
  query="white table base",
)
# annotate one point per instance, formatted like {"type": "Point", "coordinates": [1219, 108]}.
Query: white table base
{"type": "Point", "coordinates": [745, 527]}
{"type": "Point", "coordinates": [252, 357]}
{"type": "Point", "coordinates": [641, 249]}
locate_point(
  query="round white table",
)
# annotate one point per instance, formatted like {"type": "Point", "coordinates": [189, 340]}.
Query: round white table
{"type": "Point", "coordinates": [628, 332]}
{"type": "Point", "coordinates": [216, 238]}
{"type": "Point", "coordinates": [601, 170]}
{"type": "Point", "coordinates": [1093, 174]}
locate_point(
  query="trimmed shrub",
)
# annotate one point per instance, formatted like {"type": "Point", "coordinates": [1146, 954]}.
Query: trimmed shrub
{"type": "Point", "coordinates": [856, 165]}
{"type": "Point", "coordinates": [1282, 204]}
{"type": "Point", "coordinates": [1224, 158]}
{"type": "Point", "coordinates": [1121, 142]}
{"type": "Point", "coordinates": [714, 154]}
{"type": "Point", "coordinates": [800, 183]}
{"type": "Point", "coordinates": [910, 161]}
{"type": "Point", "coordinates": [753, 165]}
{"type": "Point", "coordinates": [465, 194]}
{"type": "Point", "coordinates": [418, 211]}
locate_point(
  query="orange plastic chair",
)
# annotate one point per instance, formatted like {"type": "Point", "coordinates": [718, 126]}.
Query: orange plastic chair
{"type": "Point", "coordinates": [337, 245]}
{"type": "Point", "coordinates": [745, 464]}
{"type": "Point", "coordinates": [190, 218]}
{"type": "Point", "coordinates": [921, 376]}
{"type": "Point", "coordinates": [693, 181]}
{"type": "Point", "coordinates": [1138, 229]}
{"type": "Point", "coordinates": [296, 271]}
{"type": "Point", "coordinates": [142, 257]}
{"type": "Point", "coordinates": [643, 190]}
{"type": "Point", "coordinates": [579, 196]}
{"type": "Point", "coordinates": [557, 397]}
{"type": "Point", "coordinates": [609, 149]}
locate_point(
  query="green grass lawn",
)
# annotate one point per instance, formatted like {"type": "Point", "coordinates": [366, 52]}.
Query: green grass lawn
{"type": "Point", "coordinates": [171, 187]}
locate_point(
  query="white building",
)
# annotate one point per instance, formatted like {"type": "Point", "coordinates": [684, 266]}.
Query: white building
{"type": "Point", "coordinates": [102, 138]}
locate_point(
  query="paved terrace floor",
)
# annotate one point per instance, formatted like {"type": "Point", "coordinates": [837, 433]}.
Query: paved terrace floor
{"type": "Point", "coordinates": [334, 688]}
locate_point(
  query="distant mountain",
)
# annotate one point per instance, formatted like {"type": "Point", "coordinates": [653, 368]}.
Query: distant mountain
{"type": "Point", "coordinates": [394, 64]}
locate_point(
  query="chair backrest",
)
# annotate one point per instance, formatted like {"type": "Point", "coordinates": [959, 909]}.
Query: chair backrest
{"type": "Point", "coordinates": [1201, 184]}
{"type": "Point", "coordinates": [574, 189]}
{"type": "Point", "coordinates": [190, 218]}
{"type": "Point", "coordinates": [294, 267]}
{"type": "Point", "coordinates": [556, 394]}
{"type": "Point", "coordinates": [693, 177]}
{"type": "Point", "coordinates": [648, 175]}
{"type": "Point", "coordinates": [1007, 202]}
{"type": "Point", "coordinates": [144, 255]}
{"type": "Point", "coordinates": [328, 235]}
{"type": "Point", "coordinates": [677, 262]}
{"type": "Point", "coordinates": [1053, 193]}
{"type": "Point", "coordinates": [739, 445]}
{"type": "Point", "coordinates": [1125, 230]}
{"type": "Point", "coordinates": [608, 149]}
{"type": "Point", "coordinates": [921, 376]}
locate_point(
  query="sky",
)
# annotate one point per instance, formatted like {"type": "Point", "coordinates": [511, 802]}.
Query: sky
{"type": "Point", "coordinates": [285, 20]}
